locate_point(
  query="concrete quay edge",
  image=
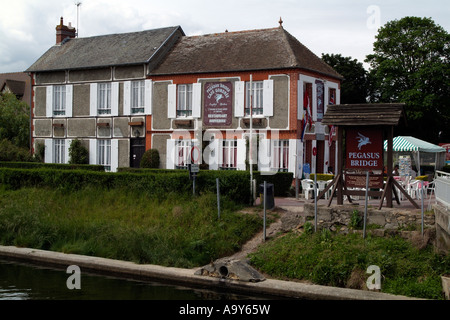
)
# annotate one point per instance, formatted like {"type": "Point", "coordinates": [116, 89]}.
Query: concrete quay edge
{"type": "Point", "coordinates": [186, 277]}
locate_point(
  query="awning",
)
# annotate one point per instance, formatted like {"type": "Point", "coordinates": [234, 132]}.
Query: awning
{"type": "Point", "coordinates": [405, 143]}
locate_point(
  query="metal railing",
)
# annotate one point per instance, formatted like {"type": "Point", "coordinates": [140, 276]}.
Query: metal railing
{"type": "Point", "coordinates": [442, 187]}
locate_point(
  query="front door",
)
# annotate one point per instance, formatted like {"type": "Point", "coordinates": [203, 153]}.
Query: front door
{"type": "Point", "coordinates": [136, 152]}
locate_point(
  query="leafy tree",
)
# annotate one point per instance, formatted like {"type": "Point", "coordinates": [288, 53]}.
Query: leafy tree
{"type": "Point", "coordinates": [14, 120]}
{"type": "Point", "coordinates": [410, 64]}
{"type": "Point", "coordinates": [354, 87]}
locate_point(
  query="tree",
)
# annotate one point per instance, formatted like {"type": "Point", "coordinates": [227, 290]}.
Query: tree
{"type": "Point", "coordinates": [410, 64]}
{"type": "Point", "coordinates": [14, 120]}
{"type": "Point", "coordinates": [354, 87]}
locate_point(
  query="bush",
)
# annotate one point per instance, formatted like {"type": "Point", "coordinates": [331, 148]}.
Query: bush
{"type": "Point", "coordinates": [59, 166]}
{"type": "Point", "coordinates": [150, 159]}
{"type": "Point", "coordinates": [10, 152]}
{"type": "Point", "coordinates": [282, 181]}
{"type": "Point", "coordinates": [322, 176]}
{"type": "Point", "coordinates": [234, 184]}
{"type": "Point", "coordinates": [78, 153]}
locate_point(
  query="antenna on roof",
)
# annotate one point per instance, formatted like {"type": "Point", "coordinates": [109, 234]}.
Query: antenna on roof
{"type": "Point", "coordinates": [78, 4]}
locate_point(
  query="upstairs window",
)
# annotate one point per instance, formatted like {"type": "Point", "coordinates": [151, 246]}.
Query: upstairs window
{"type": "Point", "coordinates": [137, 97]}
{"type": "Point", "coordinates": [59, 100]}
{"type": "Point", "coordinates": [104, 98]}
{"type": "Point", "coordinates": [257, 103]}
{"type": "Point", "coordinates": [184, 102]}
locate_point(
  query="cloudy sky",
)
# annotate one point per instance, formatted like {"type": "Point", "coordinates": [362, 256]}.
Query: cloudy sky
{"type": "Point", "coordinates": [347, 27]}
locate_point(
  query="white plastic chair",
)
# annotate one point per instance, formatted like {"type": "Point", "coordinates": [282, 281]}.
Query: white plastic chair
{"type": "Point", "coordinates": [414, 189]}
{"type": "Point", "coordinates": [308, 186]}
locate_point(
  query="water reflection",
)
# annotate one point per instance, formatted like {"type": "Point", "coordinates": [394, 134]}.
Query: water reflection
{"type": "Point", "coordinates": [26, 282]}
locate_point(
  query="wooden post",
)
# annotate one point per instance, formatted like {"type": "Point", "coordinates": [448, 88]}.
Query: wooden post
{"type": "Point", "coordinates": [390, 159]}
{"type": "Point", "coordinates": [340, 141]}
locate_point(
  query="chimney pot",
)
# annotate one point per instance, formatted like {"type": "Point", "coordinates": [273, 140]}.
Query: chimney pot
{"type": "Point", "coordinates": [63, 32]}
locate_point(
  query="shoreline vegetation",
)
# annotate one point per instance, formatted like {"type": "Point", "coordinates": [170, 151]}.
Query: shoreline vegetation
{"type": "Point", "coordinates": [176, 229]}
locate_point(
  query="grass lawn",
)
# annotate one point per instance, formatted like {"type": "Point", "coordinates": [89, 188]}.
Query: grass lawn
{"type": "Point", "coordinates": [339, 260]}
{"type": "Point", "coordinates": [176, 231]}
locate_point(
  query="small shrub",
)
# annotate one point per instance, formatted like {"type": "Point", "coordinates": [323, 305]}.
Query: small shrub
{"type": "Point", "coordinates": [78, 153]}
{"type": "Point", "coordinates": [150, 159]}
{"type": "Point", "coordinates": [10, 152]}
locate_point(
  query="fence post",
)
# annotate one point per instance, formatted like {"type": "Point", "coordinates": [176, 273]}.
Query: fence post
{"type": "Point", "coordinates": [365, 207]}
{"type": "Point", "coordinates": [218, 197]}
{"type": "Point", "coordinates": [265, 201]}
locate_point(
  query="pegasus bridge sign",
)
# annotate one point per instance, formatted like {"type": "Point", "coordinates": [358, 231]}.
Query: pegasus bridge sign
{"type": "Point", "coordinates": [361, 131]}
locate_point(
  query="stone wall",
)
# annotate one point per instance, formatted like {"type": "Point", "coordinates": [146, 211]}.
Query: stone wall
{"type": "Point", "coordinates": [339, 217]}
{"type": "Point", "coordinates": [442, 228]}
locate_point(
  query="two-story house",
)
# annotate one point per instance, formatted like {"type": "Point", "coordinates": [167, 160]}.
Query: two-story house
{"type": "Point", "coordinates": [210, 89]}
{"type": "Point", "coordinates": [124, 93]}
{"type": "Point", "coordinates": [96, 89]}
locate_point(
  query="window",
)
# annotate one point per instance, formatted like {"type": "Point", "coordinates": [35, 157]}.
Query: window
{"type": "Point", "coordinates": [229, 155]}
{"type": "Point", "coordinates": [182, 148]}
{"type": "Point", "coordinates": [184, 105]}
{"type": "Point", "coordinates": [257, 105]}
{"type": "Point", "coordinates": [280, 155]}
{"type": "Point", "coordinates": [137, 97]}
{"type": "Point", "coordinates": [104, 98]}
{"type": "Point", "coordinates": [332, 96]}
{"type": "Point", "coordinates": [59, 100]}
{"type": "Point", "coordinates": [104, 154]}
{"type": "Point", "coordinates": [58, 151]}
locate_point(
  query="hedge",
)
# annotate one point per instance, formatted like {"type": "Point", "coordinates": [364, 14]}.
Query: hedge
{"type": "Point", "coordinates": [282, 181]}
{"type": "Point", "coordinates": [234, 184]}
{"type": "Point", "coordinates": [37, 165]}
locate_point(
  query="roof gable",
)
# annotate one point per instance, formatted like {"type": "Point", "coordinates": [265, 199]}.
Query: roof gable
{"type": "Point", "coordinates": [263, 49]}
{"type": "Point", "coordinates": [104, 51]}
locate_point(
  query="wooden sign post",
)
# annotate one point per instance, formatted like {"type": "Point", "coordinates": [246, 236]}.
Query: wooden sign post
{"type": "Point", "coordinates": [361, 131]}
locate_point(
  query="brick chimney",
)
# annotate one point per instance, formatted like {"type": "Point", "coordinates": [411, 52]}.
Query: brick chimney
{"type": "Point", "coordinates": [63, 32]}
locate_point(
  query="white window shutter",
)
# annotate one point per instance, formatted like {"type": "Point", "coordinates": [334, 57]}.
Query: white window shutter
{"type": "Point", "coordinates": [197, 100]}
{"type": "Point", "coordinates": [69, 100]}
{"type": "Point", "coordinates": [268, 98]}
{"type": "Point", "coordinates": [264, 155]}
{"type": "Point", "coordinates": [213, 159]}
{"type": "Point", "coordinates": [49, 102]}
{"type": "Point", "coordinates": [241, 154]}
{"type": "Point", "coordinates": [115, 99]}
{"type": "Point", "coordinates": [67, 144]}
{"type": "Point", "coordinates": [239, 98]}
{"type": "Point", "coordinates": [172, 101]}
{"type": "Point", "coordinates": [170, 154]}
{"type": "Point", "coordinates": [114, 155]}
{"type": "Point", "coordinates": [92, 151]}
{"type": "Point", "coordinates": [148, 96]}
{"type": "Point", "coordinates": [93, 100]}
{"type": "Point", "coordinates": [127, 98]}
{"type": "Point", "coordinates": [48, 150]}
{"type": "Point", "coordinates": [292, 152]}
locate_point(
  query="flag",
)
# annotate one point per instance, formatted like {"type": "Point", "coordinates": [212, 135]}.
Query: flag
{"type": "Point", "coordinates": [306, 115]}
{"type": "Point", "coordinates": [330, 135]}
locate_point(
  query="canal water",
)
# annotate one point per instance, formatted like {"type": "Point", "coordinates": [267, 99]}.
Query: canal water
{"type": "Point", "coordinates": [19, 281]}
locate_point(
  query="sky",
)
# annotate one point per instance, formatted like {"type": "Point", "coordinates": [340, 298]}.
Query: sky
{"type": "Point", "coordinates": [346, 27]}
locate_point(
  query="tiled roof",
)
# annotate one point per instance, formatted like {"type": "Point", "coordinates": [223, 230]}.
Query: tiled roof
{"type": "Point", "coordinates": [262, 49]}
{"type": "Point", "coordinates": [104, 51]}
